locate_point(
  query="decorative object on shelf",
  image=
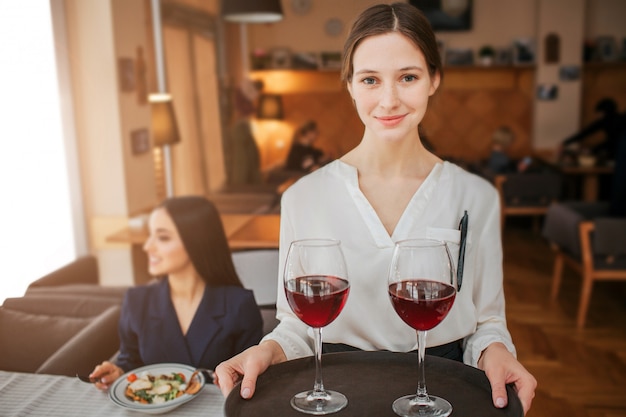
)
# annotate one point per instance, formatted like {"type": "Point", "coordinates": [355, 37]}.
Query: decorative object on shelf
{"type": "Point", "coordinates": [333, 26]}
{"type": "Point", "coordinates": [459, 57]}
{"type": "Point", "coordinates": [252, 11]}
{"type": "Point", "coordinates": [552, 49]}
{"type": "Point", "coordinates": [486, 55]}
{"type": "Point", "coordinates": [260, 59]}
{"type": "Point", "coordinates": [140, 141]}
{"type": "Point", "coordinates": [569, 73]}
{"type": "Point", "coordinates": [523, 51]}
{"type": "Point", "coordinates": [447, 15]}
{"type": "Point", "coordinates": [330, 60]}
{"type": "Point", "coordinates": [304, 60]}
{"type": "Point", "coordinates": [606, 49]}
{"type": "Point", "coordinates": [504, 56]}
{"type": "Point", "coordinates": [301, 7]}
{"type": "Point", "coordinates": [281, 58]}
{"type": "Point", "coordinates": [270, 107]}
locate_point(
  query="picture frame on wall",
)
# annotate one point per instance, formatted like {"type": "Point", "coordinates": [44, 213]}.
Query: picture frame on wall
{"type": "Point", "coordinates": [524, 51]}
{"type": "Point", "coordinates": [446, 15]}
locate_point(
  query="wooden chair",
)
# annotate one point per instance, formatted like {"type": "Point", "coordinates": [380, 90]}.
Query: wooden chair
{"type": "Point", "coordinates": [593, 244]}
{"type": "Point", "coordinates": [527, 194]}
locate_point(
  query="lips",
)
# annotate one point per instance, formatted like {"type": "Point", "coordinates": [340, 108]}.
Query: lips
{"type": "Point", "coordinates": [390, 121]}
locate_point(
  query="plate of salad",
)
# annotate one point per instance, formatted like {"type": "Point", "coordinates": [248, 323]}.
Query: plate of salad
{"type": "Point", "coordinates": [154, 389]}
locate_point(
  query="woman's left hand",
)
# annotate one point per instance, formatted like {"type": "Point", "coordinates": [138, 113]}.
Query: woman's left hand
{"type": "Point", "coordinates": [502, 368]}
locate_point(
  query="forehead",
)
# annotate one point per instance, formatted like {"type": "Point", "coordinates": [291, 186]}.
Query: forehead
{"type": "Point", "coordinates": [161, 219]}
{"type": "Point", "coordinates": [391, 48]}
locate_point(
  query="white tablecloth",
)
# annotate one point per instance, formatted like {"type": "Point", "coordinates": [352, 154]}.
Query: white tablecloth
{"type": "Point", "coordinates": [23, 394]}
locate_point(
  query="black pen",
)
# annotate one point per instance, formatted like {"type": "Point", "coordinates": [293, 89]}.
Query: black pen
{"type": "Point", "coordinates": [459, 269]}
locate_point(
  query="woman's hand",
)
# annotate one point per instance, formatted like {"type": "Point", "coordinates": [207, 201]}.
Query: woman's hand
{"type": "Point", "coordinates": [246, 367]}
{"type": "Point", "coordinates": [501, 369]}
{"type": "Point", "coordinates": [105, 374]}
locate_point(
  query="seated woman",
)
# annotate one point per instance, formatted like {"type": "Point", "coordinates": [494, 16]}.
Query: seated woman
{"type": "Point", "coordinates": [303, 156]}
{"type": "Point", "coordinates": [197, 313]}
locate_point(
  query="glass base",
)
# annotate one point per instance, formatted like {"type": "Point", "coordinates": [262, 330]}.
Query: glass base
{"type": "Point", "coordinates": [319, 403]}
{"type": "Point", "coordinates": [410, 406]}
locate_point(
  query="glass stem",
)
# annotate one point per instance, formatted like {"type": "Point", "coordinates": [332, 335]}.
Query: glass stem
{"type": "Point", "coordinates": [421, 396]}
{"type": "Point", "coordinates": [318, 388]}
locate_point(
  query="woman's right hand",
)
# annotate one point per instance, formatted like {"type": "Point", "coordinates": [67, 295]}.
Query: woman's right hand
{"type": "Point", "coordinates": [246, 367]}
{"type": "Point", "coordinates": [105, 374]}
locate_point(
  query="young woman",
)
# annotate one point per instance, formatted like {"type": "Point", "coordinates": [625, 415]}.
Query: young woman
{"type": "Point", "coordinates": [197, 313]}
{"type": "Point", "coordinates": [390, 188]}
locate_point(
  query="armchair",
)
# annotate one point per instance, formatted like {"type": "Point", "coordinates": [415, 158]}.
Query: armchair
{"type": "Point", "coordinates": [587, 239]}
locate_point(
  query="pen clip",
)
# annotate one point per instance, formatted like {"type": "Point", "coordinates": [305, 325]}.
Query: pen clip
{"type": "Point", "coordinates": [459, 270]}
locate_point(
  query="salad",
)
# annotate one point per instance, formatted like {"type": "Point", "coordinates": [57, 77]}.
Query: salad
{"type": "Point", "coordinates": [149, 389]}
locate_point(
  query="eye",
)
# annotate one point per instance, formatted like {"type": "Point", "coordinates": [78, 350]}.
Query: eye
{"type": "Point", "coordinates": [368, 81]}
{"type": "Point", "coordinates": [409, 78]}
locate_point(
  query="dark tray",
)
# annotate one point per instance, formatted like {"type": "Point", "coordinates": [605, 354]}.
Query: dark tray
{"type": "Point", "coordinates": [372, 381]}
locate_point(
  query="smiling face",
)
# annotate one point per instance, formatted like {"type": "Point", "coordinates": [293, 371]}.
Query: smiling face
{"type": "Point", "coordinates": [391, 85]}
{"type": "Point", "coordinates": [165, 249]}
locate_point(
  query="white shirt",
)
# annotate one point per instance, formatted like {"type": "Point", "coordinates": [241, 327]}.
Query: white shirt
{"type": "Point", "coordinates": [328, 203]}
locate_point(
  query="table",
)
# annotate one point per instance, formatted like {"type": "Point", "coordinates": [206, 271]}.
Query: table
{"type": "Point", "coordinates": [24, 394]}
{"type": "Point", "coordinates": [590, 175]}
{"type": "Point", "coordinates": [243, 231]}
{"type": "Point", "coordinates": [372, 381]}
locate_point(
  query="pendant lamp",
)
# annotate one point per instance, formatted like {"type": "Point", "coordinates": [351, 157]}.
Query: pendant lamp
{"type": "Point", "coordinates": [252, 11]}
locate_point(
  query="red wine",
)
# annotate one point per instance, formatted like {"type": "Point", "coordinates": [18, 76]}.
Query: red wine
{"type": "Point", "coordinates": [422, 304]}
{"type": "Point", "coordinates": [317, 300]}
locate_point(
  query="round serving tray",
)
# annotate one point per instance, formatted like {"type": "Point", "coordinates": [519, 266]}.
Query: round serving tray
{"type": "Point", "coordinates": [372, 381]}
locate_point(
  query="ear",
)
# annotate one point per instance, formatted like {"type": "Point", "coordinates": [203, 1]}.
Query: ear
{"type": "Point", "coordinates": [349, 87]}
{"type": "Point", "coordinates": [434, 83]}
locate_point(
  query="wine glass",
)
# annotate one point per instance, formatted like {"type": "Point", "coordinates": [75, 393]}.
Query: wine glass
{"type": "Point", "coordinates": [316, 285]}
{"type": "Point", "coordinates": [422, 289]}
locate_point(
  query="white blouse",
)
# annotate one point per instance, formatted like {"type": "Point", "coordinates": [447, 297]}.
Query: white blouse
{"type": "Point", "coordinates": [329, 204]}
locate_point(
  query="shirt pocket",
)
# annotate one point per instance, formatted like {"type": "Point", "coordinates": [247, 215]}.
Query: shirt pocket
{"type": "Point", "coordinates": [452, 237]}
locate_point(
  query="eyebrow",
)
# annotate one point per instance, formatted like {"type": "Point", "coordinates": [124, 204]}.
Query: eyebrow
{"type": "Point", "coordinates": [403, 69]}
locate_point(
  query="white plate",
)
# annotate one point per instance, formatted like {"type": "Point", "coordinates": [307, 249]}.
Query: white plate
{"type": "Point", "coordinates": [116, 391]}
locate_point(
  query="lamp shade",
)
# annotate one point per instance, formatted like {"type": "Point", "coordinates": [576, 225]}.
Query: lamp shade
{"type": "Point", "coordinates": [252, 11]}
{"type": "Point", "coordinates": [164, 126]}
{"type": "Point", "coordinates": [270, 107]}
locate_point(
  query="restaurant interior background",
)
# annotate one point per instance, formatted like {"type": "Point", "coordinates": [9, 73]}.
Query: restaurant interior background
{"type": "Point", "coordinates": [74, 170]}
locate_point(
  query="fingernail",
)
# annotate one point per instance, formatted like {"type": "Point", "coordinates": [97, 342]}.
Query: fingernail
{"type": "Point", "coordinates": [245, 393]}
{"type": "Point", "coordinates": [500, 402]}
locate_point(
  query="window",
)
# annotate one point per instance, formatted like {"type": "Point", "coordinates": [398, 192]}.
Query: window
{"type": "Point", "coordinates": [38, 229]}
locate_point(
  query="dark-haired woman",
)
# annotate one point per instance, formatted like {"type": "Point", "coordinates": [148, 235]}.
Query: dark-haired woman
{"type": "Point", "coordinates": [197, 313]}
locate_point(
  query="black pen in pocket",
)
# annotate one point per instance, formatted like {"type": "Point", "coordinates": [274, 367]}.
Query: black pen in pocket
{"type": "Point", "coordinates": [459, 268]}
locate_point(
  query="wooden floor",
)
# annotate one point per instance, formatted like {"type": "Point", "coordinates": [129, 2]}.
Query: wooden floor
{"type": "Point", "coordinates": [580, 373]}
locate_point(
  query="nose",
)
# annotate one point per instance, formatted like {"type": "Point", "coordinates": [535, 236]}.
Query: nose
{"type": "Point", "coordinates": [389, 96]}
{"type": "Point", "coordinates": [147, 244]}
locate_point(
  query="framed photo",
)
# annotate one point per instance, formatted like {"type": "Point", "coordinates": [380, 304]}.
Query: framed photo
{"type": "Point", "coordinates": [504, 56]}
{"type": "Point", "coordinates": [446, 15]}
{"type": "Point", "coordinates": [569, 73]}
{"type": "Point", "coordinates": [281, 58]}
{"type": "Point", "coordinates": [126, 68]}
{"type": "Point", "coordinates": [140, 141]}
{"type": "Point", "coordinates": [547, 92]}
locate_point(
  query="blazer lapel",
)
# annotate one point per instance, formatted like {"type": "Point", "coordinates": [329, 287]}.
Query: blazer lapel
{"type": "Point", "coordinates": [163, 329]}
{"type": "Point", "coordinates": [206, 323]}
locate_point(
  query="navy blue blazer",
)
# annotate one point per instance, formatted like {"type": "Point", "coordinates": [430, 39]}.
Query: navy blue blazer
{"type": "Point", "coordinates": [227, 322]}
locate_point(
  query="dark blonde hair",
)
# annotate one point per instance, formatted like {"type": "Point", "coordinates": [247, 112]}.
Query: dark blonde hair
{"type": "Point", "coordinates": [403, 18]}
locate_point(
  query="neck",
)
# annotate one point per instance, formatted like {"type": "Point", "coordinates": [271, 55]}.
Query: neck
{"type": "Point", "coordinates": [188, 287]}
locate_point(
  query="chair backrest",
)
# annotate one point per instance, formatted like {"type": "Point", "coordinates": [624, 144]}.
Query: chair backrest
{"type": "Point", "coordinates": [258, 271]}
{"type": "Point", "coordinates": [531, 189]}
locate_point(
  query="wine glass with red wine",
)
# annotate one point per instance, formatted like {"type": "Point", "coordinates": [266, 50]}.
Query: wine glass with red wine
{"type": "Point", "coordinates": [422, 289]}
{"type": "Point", "coordinates": [316, 285]}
